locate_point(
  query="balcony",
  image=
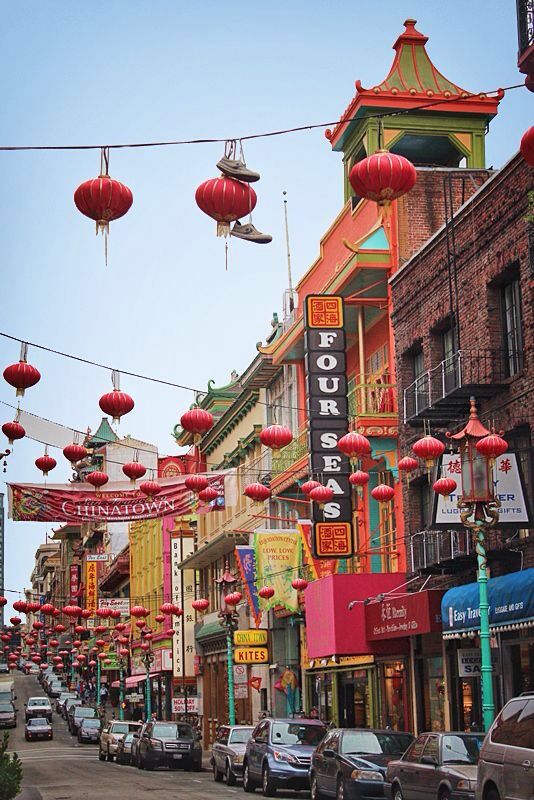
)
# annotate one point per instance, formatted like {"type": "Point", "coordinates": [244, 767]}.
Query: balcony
{"type": "Point", "coordinates": [373, 408]}
{"type": "Point", "coordinates": [284, 459]}
{"type": "Point", "coordinates": [525, 35]}
{"type": "Point", "coordinates": [451, 551]}
{"type": "Point", "coordinates": [442, 393]}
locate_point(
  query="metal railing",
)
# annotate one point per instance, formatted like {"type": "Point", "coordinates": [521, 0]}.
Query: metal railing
{"type": "Point", "coordinates": [372, 399]}
{"type": "Point", "coordinates": [283, 459]}
{"type": "Point", "coordinates": [430, 548]}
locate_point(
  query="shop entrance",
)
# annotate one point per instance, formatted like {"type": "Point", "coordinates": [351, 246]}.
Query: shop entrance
{"type": "Point", "coordinates": [354, 699]}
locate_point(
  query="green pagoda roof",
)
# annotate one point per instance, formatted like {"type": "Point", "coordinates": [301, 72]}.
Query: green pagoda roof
{"type": "Point", "coordinates": [104, 435]}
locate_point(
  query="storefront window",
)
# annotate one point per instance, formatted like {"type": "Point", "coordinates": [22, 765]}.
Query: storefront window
{"type": "Point", "coordinates": [434, 692]}
{"type": "Point", "coordinates": [354, 699]}
{"type": "Point", "coordinates": [394, 699]}
{"type": "Point", "coordinates": [321, 695]}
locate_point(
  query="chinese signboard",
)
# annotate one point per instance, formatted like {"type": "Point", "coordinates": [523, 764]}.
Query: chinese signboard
{"type": "Point", "coordinates": [250, 637]}
{"type": "Point", "coordinates": [91, 585]}
{"type": "Point", "coordinates": [251, 655]}
{"type": "Point", "coordinates": [183, 590]}
{"type": "Point", "coordinates": [324, 342]}
{"type": "Point", "coordinates": [410, 615]}
{"type": "Point", "coordinates": [514, 511]}
{"type": "Point", "coordinates": [74, 581]}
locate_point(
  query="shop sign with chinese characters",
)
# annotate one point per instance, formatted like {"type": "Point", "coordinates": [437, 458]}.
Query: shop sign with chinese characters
{"type": "Point", "coordinates": [183, 588]}
{"type": "Point", "coordinates": [74, 581]}
{"type": "Point", "coordinates": [91, 585]}
{"type": "Point", "coordinates": [509, 490]}
{"type": "Point", "coordinates": [326, 375]}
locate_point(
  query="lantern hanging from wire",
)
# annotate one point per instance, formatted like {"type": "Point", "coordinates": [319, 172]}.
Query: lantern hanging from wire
{"type": "Point", "coordinates": [491, 447]}
{"type": "Point", "coordinates": [308, 486]}
{"type": "Point", "coordinates": [276, 436]}
{"type": "Point", "coordinates": [22, 375]}
{"type": "Point", "coordinates": [201, 604]}
{"type": "Point", "coordinates": [408, 464]}
{"type": "Point", "coordinates": [383, 177]}
{"type": "Point", "coordinates": [74, 452]}
{"type": "Point", "coordinates": [359, 478]}
{"type": "Point", "coordinates": [257, 492]}
{"type": "Point", "coordinates": [428, 449]}
{"type": "Point", "coordinates": [134, 469]}
{"type": "Point", "coordinates": [150, 489]}
{"type": "Point", "coordinates": [383, 493]}
{"type": "Point", "coordinates": [197, 421]}
{"type": "Point", "coordinates": [225, 200]}
{"type": "Point", "coordinates": [354, 445]}
{"type": "Point", "coordinates": [445, 486]}
{"type": "Point", "coordinates": [527, 146]}
{"type": "Point", "coordinates": [45, 463]}
{"type": "Point", "coordinates": [196, 483]}
{"type": "Point", "coordinates": [299, 584]}
{"type": "Point", "coordinates": [13, 431]}
{"type": "Point", "coordinates": [322, 495]}
{"type": "Point", "coordinates": [266, 592]}
{"type": "Point", "coordinates": [208, 495]}
{"type": "Point", "coordinates": [116, 403]}
{"type": "Point", "coordinates": [97, 479]}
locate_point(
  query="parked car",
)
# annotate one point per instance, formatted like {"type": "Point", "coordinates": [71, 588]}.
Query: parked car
{"type": "Point", "coordinates": [135, 744]}
{"type": "Point", "coordinates": [112, 733]}
{"type": "Point", "coordinates": [506, 764]}
{"type": "Point", "coordinates": [351, 763]}
{"type": "Point", "coordinates": [228, 752]}
{"type": "Point", "coordinates": [62, 698]}
{"type": "Point", "coordinates": [76, 714]}
{"type": "Point", "coordinates": [89, 730]}
{"type": "Point", "coordinates": [278, 754]}
{"type": "Point", "coordinates": [55, 688]}
{"type": "Point", "coordinates": [8, 715]}
{"type": "Point", "coordinates": [4, 669]}
{"type": "Point", "coordinates": [38, 707]}
{"type": "Point", "coordinates": [7, 692]}
{"type": "Point", "coordinates": [38, 728]}
{"type": "Point", "coordinates": [124, 749]}
{"type": "Point", "coordinates": [437, 765]}
{"type": "Point", "coordinates": [171, 744]}
{"type": "Point", "coordinates": [68, 704]}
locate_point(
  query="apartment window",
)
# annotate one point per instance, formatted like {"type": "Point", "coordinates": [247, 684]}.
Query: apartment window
{"type": "Point", "coordinates": [449, 349]}
{"type": "Point", "coordinates": [512, 324]}
{"type": "Point", "coordinates": [419, 381]}
{"type": "Point", "coordinates": [281, 396]}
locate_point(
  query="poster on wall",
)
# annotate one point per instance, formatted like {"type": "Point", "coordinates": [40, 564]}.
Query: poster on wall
{"type": "Point", "coordinates": [183, 592]}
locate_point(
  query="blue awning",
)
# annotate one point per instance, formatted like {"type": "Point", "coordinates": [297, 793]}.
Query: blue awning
{"type": "Point", "coordinates": [511, 601]}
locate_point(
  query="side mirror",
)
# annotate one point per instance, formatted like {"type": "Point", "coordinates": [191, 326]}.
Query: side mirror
{"type": "Point", "coordinates": [430, 760]}
{"type": "Point", "coordinates": [328, 753]}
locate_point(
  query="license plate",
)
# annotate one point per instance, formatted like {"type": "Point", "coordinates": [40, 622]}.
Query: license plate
{"type": "Point", "coordinates": [177, 755]}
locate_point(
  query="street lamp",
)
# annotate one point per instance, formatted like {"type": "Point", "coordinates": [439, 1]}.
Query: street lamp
{"type": "Point", "coordinates": [230, 620]}
{"type": "Point", "coordinates": [122, 660]}
{"type": "Point", "coordinates": [148, 659]}
{"type": "Point", "coordinates": [479, 511]}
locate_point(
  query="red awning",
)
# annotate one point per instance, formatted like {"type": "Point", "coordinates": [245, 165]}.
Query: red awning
{"type": "Point", "coordinates": [408, 615]}
{"type": "Point", "coordinates": [133, 680]}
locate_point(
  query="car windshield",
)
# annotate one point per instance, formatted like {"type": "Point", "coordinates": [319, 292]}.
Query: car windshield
{"type": "Point", "coordinates": [171, 730]}
{"type": "Point", "coordinates": [240, 735]}
{"type": "Point", "coordinates": [83, 711]}
{"type": "Point", "coordinates": [297, 733]}
{"type": "Point", "coordinates": [38, 701]}
{"type": "Point", "coordinates": [128, 738]}
{"type": "Point", "coordinates": [5, 707]}
{"type": "Point", "coordinates": [66, 696]}
{"type": "Point", "coordinates": [37, 722]}
{"type": "Point", "coordinates": [91, 723]}
{"type": "Point", "coordinates": [123, 727]}
{"type": "Point", "coordinates": [368, 743]}
{"type": "Point", "coordinates": [461, 749]}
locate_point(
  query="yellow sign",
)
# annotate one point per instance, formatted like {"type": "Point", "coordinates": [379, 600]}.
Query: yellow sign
{"type": "Point", "coordinates": [251, 655]}
{"type": "Point", "coordinates": [91, 585]}
{"type": "Point", "coordinates": [251, 637]}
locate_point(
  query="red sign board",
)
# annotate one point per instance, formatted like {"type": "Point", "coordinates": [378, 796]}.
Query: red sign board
{"type": "Point", "coordinates": [410, 615]}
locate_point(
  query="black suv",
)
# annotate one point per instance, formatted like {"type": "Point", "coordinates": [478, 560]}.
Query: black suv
{"type": "Point", "coordinates": [171, 744]}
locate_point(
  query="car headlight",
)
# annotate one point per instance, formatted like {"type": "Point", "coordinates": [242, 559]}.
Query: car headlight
{"type": "Point", "coordinates": [280, 755]}
{"type": "Point", "coordinates": [238, 759]}
{"type": "Point", "coordinates": [466, 784]}
{"type": "Point", "coordinates": [156, 745]}
{"type": "Point", "coordinates": [366, 775]}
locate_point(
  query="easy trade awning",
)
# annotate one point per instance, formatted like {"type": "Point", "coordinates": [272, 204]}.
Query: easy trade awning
{"type": "Point", "coordinates": [511, 603]}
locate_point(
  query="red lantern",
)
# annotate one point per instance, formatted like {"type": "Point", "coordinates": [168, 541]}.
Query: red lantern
{"type": "Point", "coordinates": [103, 613]}
{"type": "Point", "coordinates": [120, 627]}
{"type": "Point", "coordinates": [47, 608]}
{"type": "Point", "coordinates": [140, 623]}
{"type": "Point", "coordinates": [145, 647]}
{"type": "Point", "coordinates": [177, 611]}
{"type": "Point", "coordinates": [3, 601]}
{"type": "Point", "coordinates": [134, 470]}
{"type": "Point", "coordinates": [359, 478]}
{"type": "Point", "coordinates": [76, 643]}
{"type": "Point", "coordinates": [92, 663]}
{"type": "Point", "coordinates": [160, 618]}
{"type": "Point", "coordinates": [208, 494]}
{"type": "Point", "coordinates": [196, 483]}
{"type": "Point", "coordinates": [72, 611]}
{"type": "Point", "coordinates": [38, 625]}
{"type": "Point", "coordinates": [100, 642]}
{"type": "Point", "coordinates": [196, 421]}
{"type": "Point", "coordinates": [308, 486]}
{"type": "Point", "coordinates": [383, 177]}
{"type": "Point", "coordinates": [139, 611]}
{"type": "Point", "coordinates": [15, 620]}
{"type": "Point", "coordinates": [103, 199]}
{"type": "Point", "coordinates": [20, 605]}
{"type": "Point", "coordinates": [276, 436]}
{"type": "Point", "coordinates": [114, 613]}
{"type": "Point", "coordinates": [59, 628]}
{"type": "Point", "coordinates": [233, 598]}
{"type": "Point", "coordinates": [225, 200]}
{"type": "Point", "coordinates": [492, 446]}
{"type": "Point", "coordinates": [354, 445]}
{"type": "Point", "coordinates": [97, 479]}
{"type": "Point", "coordinates": [429, 449]}
{"type": "Point", "coordinates": [383, 493]}
{"type": "Point", "coordinates": [45, 463]}
{"type": "Point", "coordinates": [101, 629]}
{"type": "Point", "coordinates": [445, 486]}
{"type": "Point", "coordinates": [266, 592]}
{"type": "Point", "coordinates": [321, 494]}
{"type": "Point", "coordinates": [257, 491]}
{"type": "Point", "coordinates": [102, 656]}
{"type": "Point", "coordinates": [150, 489]}
{"type": "Point", "coordinates": [201, 604]}
{"type": "Point", "coordinates": [167, 609]}
{"type": "Point", "coordinates": [13, 431]}
{"type": "Point", "coordinates": [408, 464]}
{"type": "Point", "coordinates": [123, 652]}
{"type": "Point", "coordinates": [170, 632]}
{"type": "Point", "coordinates": [86, 613]}
{"type": "Point", "coordinates": [22, 375]}
{"type": "Point", "coordinates": [526, 147]}
{"type": "Point", "coordinates": [74, 453]}
{"type": "Point", "coordinates": [299, 584]}
{"type": "Point", "coordinates": [116, 404]}
{"type": "Point", "coordinates": [32, 606]}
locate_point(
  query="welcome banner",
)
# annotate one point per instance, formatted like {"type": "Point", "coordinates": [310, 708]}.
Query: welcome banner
{"type": "Point", "coordinates": [79, 502]}
{"type": "Point", "coordinates": [278, 559]}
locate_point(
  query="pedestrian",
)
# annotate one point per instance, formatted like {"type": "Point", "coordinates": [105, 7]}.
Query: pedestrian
{"type": "Point", "coordinates": [103, 694]}
{"type": "Point", "coordinates": [314, 713]}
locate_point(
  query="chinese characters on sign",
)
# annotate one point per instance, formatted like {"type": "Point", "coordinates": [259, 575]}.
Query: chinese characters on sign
{"type": "Point", "coordinates": [183, 591]}
{"type": "Point", "coordinates": [74, 581]}
{"type": "Point", "coordinates": [91, 585]}
{"type": "Point", "coordinates": [324, 342]}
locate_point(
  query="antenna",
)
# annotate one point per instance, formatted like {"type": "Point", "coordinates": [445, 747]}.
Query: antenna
{"type": "Point", "coordinates": [289, 277]}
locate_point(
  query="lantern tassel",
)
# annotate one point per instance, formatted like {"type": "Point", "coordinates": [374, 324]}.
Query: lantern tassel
{"type": "Point", "coordinates": [223, 229]}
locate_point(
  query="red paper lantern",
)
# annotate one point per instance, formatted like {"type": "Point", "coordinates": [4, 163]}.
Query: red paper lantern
{"type": "Point", "coordinates": [103, 199]}
{"type": "Point", "coordinates": [167, 609]}
{"type": "Point", "coordinates": [20, 605]}
{"type": "Point", "coordinates": [170, 632]}
{"type": "Point", "coordinates": [45, 463]}
{"type": "Point", "coordinates": [276, 436]}
{"type": "Point", "coordinates": [134, 470]}
{"type": "Point", "coordinates": [103, 613]}
{"type": "Point", "coordinates": [382, 177]}
{"type": "Point", "coordinates": [208, 494]}
{"type": "Point", "coordinates": [74, 452]}
{"type": "Point", "coordinates": [120, 627]}
{"type": "Point", "coordinates": [47, 608]}
{"type": "Point", "coordinates": [38, 625]}
{"type": "Point", "coordinates": [114, 613]}
{"type": "Point", "coordinates": [15, 620]}
{"type": "Point", "coordinates": [322, 494]}
{"type": "Point", "coordinates": [22, 375]}
{"type": "Point", "coordinates": [123, 652]}
{"type": "Point", "coordinates": [101, 629]}
{"type": "Point", "coordinates": [201, 604]}
{"type": "Point", "coordinates": [257, 492]}
{"type": "Point", "coordinates": [177, 611]}
{"type": "Point", "coordinates": [308, 486]}
{"type": "Point", "coordinates": [13, 431]}
{"type": "Point", "coordinates": [160, 618]}
{"type": "Point", "coordinates": [116, 404]}
{"type": "Point", "coordinates": [354, 445]}
{"type": "Point", "coordinates": [102, 656]}
{"type": "Point", "coordinates": [445, 486]}
{"type": "Point", "coordinates": [233, 598]}
{"type": "Point", "coordinates": [526, 147]}
{"type": "Point", "coordinates": [140, 623]}
{"type": "Point", "coordinates": [266, 592]}
{"type": "Point", "coordinates": [86, 613]}
{"type": "Point", "coordinates": [97, 479]}
{"type": "Point", "coordinates": [225, 200]}
{"type": "Point", "coordinates": [59, 628]}
{"type": "Point", "coordinates": [139, 611]}
{"type": "Point", "coordinates": [196, 483]}
{"type": "Point", "coordinates": [492, 446]}
{"type": "Point", "coordinates": [3, 601]}
{"type": "Point", "coordinates": [145, 647]}
{"type": "Point", "coordinates": [408, 464]}
{"type": "Point", "coordinates": [148, 636]}
{"type": "Point", "coordinates": [299, 584]}
{"type": "Point", "coordinates": [100, 642]}
{"type": "Point", "coordinates": [150, 489]}
{"type": "Point", "coordinates": [359, 478]}
{"type": "Point", "coordinates": [33, 605]}
{"type": "Point", "coordinates": [197, 421]}
{"type": "Point", "coordinates": [92, 663]}
{"type": "Point", "coordinates": [429, 449]}
{"type": "Point", "coordinates": [383, 493]}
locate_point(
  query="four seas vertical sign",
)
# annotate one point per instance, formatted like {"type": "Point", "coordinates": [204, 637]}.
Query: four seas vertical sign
{"type": "Point", "coordinates": [326, 375]}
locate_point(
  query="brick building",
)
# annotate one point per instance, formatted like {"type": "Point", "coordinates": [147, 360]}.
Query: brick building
{"type": "Point", "coordinates": [463, 324]}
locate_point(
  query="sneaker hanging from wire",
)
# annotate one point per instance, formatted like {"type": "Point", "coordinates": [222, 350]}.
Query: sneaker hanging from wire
{"type": "Point", "coordinates": [250, 233]}
{"type": "Point", "coordinates": [235, 167]}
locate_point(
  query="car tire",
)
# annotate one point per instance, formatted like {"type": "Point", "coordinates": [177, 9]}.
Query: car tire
{"type": "Point", "coordinates": [229, 775]}
{"type": "Point", "coordinates": [217, 774]}
{"type": "Point", "coordinates": [197, 766]}
{"type": "Point", "coordinates": [396, 792]}
{"type": "Point", "coordinates": [314, 788]}
{"type": "Point", "coordinates": [248, 783]}
{"type": "Point", "coordinates": [492, 794]}
{"type": "Point", "coordinates": [109, 757]}
{"type": "Point", "coordinates": [340, 788]}
{"type": "Point", "coordinates": [267, 785]}
{"type": "Point", "coordinates": [101, 755]}
{"type": "Point", "coordinates": [139, 762]}
{"type": "Point", "coordinates": [149, 765]}
{"type": "Point", "coordinates": [444, 794]}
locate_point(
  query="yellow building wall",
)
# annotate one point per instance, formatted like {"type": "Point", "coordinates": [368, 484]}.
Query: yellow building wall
{"type": "Point", "coordinates": [146, 566]}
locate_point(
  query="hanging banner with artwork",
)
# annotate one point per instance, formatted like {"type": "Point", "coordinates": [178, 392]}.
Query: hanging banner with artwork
{"type": "Point", "coordinates": [246, 561]}
{"type": "Point", "coordinates": [319, 567]}
{"type": "Point", "coordinates": [278, 563]}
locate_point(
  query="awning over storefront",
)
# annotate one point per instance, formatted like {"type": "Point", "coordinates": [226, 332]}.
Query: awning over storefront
{"type": "Point", "coordinates": [511, 605]}
{"type": "Point", "coordinates": [216, 548]}
{"type": "Point", "coordinates": [134, 680]}
{"type": "Point", "coordinates": [410, 615]}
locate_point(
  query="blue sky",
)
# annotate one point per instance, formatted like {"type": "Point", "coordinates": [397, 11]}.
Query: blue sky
{"type": "Point", "coordinates": [136, 71]}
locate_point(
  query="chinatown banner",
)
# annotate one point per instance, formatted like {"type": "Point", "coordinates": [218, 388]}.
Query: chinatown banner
{"type": "Point", "coordinates": [117, 502]}
{"type": "Point", "coordinates": [246, 561]}
{"type": "Point", "coordinates": [278, 562]}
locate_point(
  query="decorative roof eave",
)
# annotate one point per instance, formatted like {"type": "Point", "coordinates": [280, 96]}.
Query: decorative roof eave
{"type": "Point", "coordinates": [237, 456]}
{"type": "Point", "coordinates": [412, 82]}
{"type": "Point", "coordinates": [226, 424]}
